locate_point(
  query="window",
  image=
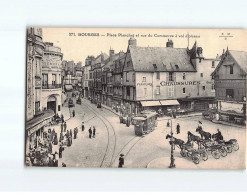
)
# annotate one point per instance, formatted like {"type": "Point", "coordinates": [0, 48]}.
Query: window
{"type": "Point", "coordinates": [170, 91]}
{"type": "Point", "coordinates": [157, 90]}
{"type": "Point", "coordinates": [91, 76]}
{"type": "Point", "coordinates": [53, 79]}
{"type": "Point", "coordinates": [155, 67]}
{"type": "Point", "coordinates": [37, 106]}
{"type": "Point", "coordinates": [45, 80]}
{"type": "Point", "coordinates": [128, 91]}
{"type": "Point", "coordinates": [213, 64]}
{"type": "Point", "coordinates": [127, 77]}
{"type": "Point", "coordinates": [229, 93]}
{"type": "Point", "coordinates": [171, 78]}
{"type": "Point", "coordinates": [231, 69]}
{"type": "Point", "coordinates": [184, 90]}
{"type": "Point", "coordinates": [133, 77]}
{"type": "Point", "coordinates": [201, 74]}
{"type": "Point", "coordinates": [177, 67]}
{"type": "Point", "coordinates": [213, 87]}
{"type": "Point", "coordinates": [128, 64]}
{"type": "Point", "coordinates": [184, 76]}
{"type": "Point", "coordinates": [143, 79]}
{"type": "Point", "coordinates": [59, 107]}
{"type": "Point", "coordinates": [145, 91]}
{"type": "Point", "coordinates": [203, 88]}
{"type": "Point", "coordinates": [158, 75]}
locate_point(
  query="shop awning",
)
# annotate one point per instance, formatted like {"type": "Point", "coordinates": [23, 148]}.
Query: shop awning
{"type": "Point", "coordinates": [169, 102]}
{"type": "Point", "coordinates": [150, 103]}
{"type": "Point", "coordinates": [68, 87]}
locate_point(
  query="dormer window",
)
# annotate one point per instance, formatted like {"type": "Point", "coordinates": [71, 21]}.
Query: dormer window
{"type": "Point", "coordinates": [177, 67]}
{"type": "Point", "coordinates": [155, 67]}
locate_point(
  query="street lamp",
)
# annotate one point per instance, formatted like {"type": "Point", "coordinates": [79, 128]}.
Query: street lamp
{"type": "Point", "coordinates": [172, 164]}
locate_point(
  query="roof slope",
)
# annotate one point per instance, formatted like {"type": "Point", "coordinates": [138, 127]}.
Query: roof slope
{"type": "Point", "coordinates": [165, 58]}
{"type": "Point", "coordinates": [241, 58]}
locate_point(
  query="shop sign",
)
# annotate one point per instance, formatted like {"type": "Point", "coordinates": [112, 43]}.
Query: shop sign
{"type": "Point", "coordinates": [170, 83]}
{"type": "Point", "coordinates": [144, 84]}
{"type": "Point", "coordinates": [37, 127]}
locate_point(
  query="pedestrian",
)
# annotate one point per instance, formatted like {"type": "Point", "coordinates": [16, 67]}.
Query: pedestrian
{"type": "Point", "coordinates": [50, 148]}
{"type": "Point", "coordinates": [73, 112]}
{"type": "Point", "coordinates": [65, 126]}
{"type": "Point", "coordinates": [62, 118]}
{"type": "Point", "coordinates": [90, 133]}
{"type": "Point", "coordinates": [61, 137]}
{"type": "Point", "coordinates": [168, 124]}
{"type": "Point", "coordinates": [178, 128]}
{"type": "Point", "coordinates": [61, 149]}
{"type": "Point", "coordinates": [121, 161]}
{"type": "Point", "coordinates": [67, 134]}
{"type": "Point", "coordinates": [69, 142]}
{"type": "Point", "coordinates": [55, 141]}
{"type": "Point", "coordinates": [75, 133]}
{"type": "Point", "coordinates": [50, 162]}
{"type": "Point", "coordinates": [62, 127]}
{"type": "Point", "coordinates": [70, 132]}
{"type": "Point", "coordinates": [63, 164]}
{"type": "Point", "coordinates": [82, 126]}
{"type": "Point", "coordinates": [53, 133]}
{"type": "Point", "coordinates": [94, 131]}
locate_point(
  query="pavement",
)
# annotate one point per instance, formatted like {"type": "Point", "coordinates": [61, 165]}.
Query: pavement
{"type": "Point", "coordinates": [151, 150]}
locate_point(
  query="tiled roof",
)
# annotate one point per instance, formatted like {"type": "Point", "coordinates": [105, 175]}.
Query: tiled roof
{"type": "Point", "coordinates": [241, 58]}
{"type": "Point", "coordinates": [165, 58]}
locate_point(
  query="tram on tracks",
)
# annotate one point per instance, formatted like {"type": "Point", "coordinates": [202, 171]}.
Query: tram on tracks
{"type": "Point", "coordinates": [145, 123]}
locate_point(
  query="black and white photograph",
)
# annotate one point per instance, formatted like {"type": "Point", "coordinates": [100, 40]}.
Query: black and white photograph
{"type": "Point", "coordinates": [135, 98]}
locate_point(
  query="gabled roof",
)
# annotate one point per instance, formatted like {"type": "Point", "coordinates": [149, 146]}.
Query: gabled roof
{"type": "Point", "coordinates": [165, 58]}
{"type": "Point", "coordinates": [241, 58]}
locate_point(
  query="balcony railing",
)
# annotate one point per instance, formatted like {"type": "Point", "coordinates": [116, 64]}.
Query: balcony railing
{"type": "Point", "coordinates": [51, 86]}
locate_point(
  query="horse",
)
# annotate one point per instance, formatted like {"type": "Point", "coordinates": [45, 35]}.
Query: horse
{"type": "Point", "coordinates": [194, 138]}
{"type": "Point", "coordinates": [204, 134]}
{"type": "Point", "coordinates": [177, 141]}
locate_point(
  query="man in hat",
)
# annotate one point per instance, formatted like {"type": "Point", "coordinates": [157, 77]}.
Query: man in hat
{"type": "Point", "coordinates": [70, 132]}
{"type": "Point", "coordinates": [62, 118]}
{"type": "Point", "coordinates": [178, 128]}
{"type": "Point", "coordinates": [75, 133]}
{"type": "Point", "coordinates": [121, 161]}
{"type": "Point", "coordinates": [61, 151]}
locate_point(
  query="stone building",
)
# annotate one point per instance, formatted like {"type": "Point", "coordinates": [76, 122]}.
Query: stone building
{"type": "Point", "coordinates": [230, 86]}
{"type": "Point", "coordinates": [167, 78]}
{"type": "Point", "coordinates": [51, 78]}
{"type": "Point", "coordinates": [36, 117]}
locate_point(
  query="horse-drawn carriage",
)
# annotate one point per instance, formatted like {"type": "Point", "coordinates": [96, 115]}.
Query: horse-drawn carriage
{"type": "Point", "coordinates": [207, 144]}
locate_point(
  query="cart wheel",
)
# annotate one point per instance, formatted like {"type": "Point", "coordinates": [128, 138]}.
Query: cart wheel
{"type": "Point", "coordinates": [196, 159]}
{"type": "Point", "coordinates": [215, 154]}
{"type": "Point", "coordinates": [189, 154]}
{"type": "Point", "coordinates": [183, 153]}
{"type": "Point", "coordinates": [223, 152]}
{"type": "Point", "coordinates": [235, 146]}
{"type": "Point", "coordinates": [229, 148]}
{"type": "Point", "coordinates": [204, 156]}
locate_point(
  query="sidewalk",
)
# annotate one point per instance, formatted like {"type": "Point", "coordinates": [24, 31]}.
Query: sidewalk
{"type": "Point", "coordinates": [110, 109]}
{"type": "Point", "coordinates": [164, 162]}
{"type": "Point", "coordinates": [180, 116]}
{"type": "Point", "coordinates": [228, 124]}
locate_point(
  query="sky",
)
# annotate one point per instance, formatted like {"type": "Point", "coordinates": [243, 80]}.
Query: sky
{"type": "Point", "coordinates": [77, 48]}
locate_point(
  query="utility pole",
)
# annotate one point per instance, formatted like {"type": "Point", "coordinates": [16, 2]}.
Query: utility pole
{"type": "Point", "coordinates": [172, 164]}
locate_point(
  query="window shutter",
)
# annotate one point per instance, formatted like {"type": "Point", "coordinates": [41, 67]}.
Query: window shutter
{"type": "Point", "coordinates": [174, 76]}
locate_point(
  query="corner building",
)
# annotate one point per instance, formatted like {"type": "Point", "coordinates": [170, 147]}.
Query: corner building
{"type": "Point", "coordinates": [51, 78]}
{"type": "Point", "coordinates": [166, 77]}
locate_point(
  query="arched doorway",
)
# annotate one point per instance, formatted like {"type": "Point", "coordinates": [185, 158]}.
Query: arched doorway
{"type": "Point", "coordinates": [51, 103]}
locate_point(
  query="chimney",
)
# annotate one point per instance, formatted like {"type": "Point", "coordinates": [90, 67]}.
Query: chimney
{"type": "Point", "coordinates": [132, 41]}
{"type": "Point", "coordinates": [169, 43]}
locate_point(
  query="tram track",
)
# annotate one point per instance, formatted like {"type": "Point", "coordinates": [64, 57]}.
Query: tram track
{"type": "Point", "coordinates": [111, 144]}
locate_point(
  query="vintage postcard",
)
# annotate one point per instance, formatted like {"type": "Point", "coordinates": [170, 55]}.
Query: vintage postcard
{"type": "Point", "coordinates": [136, 98]}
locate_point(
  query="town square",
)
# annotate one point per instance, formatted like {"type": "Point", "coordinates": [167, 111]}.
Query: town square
{"type": "Point", "coordinates": [142, 106]}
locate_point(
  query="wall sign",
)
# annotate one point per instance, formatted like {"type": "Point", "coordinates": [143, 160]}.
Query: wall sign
{"type": "Point", "coordinates": [145, 84]}
{"type": "Point", "coordinates": [170, 83]}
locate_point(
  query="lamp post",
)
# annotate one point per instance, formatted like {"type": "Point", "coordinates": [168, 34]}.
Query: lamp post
{"type": "Point", "coordinates": [172, 164]}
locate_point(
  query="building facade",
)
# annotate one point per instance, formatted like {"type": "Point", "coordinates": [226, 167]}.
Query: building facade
{"type": "Point", "coordinates": [167, 77]}
{"type": "Point", "coordinates": [36, 117]}
{"type": "Point", "coordinates": [52, 78]}
{"type": "Point", "coordinates": [230, 86]}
